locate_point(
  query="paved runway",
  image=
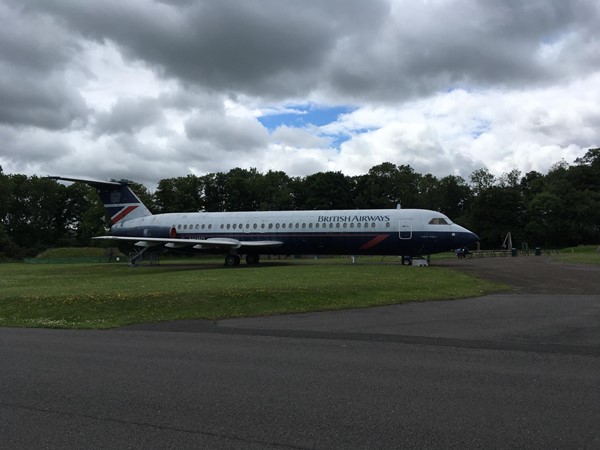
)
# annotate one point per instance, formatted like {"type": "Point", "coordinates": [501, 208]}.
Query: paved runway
{"type": "Point", "coordinates": [504, 371]}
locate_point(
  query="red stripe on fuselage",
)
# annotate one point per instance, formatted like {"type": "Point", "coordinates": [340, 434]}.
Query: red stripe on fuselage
{"type": "Point", "coordinates": [123, 213]}
{"type": "Point", "coordinates": [373, 242]}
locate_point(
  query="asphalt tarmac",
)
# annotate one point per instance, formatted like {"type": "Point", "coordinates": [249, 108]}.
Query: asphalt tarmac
{"type": "Point", "coordinates": [512, 370]}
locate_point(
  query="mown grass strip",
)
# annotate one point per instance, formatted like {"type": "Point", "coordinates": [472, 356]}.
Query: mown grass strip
{"type": "Point", "coordinates": [111, 295]}
{"type": "Point", "coordinates": [585, 254]}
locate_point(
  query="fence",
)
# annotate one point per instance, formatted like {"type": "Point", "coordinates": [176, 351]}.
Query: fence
{"type": "Point", "coordinates": [504, 253]}
{"type": "Point", "coordinates": [74, 260]}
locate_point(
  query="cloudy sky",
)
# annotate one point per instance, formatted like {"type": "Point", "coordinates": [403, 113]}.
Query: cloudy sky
{"type": "Point", "coordinates": [146, 90]}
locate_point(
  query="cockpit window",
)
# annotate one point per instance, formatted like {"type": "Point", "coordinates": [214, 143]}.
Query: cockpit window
{"type": "Point", "coordinates": [438, 221]}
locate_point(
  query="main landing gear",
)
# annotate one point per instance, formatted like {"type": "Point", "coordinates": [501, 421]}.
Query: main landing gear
{"type": "Point", "coordinates": [234, 260]}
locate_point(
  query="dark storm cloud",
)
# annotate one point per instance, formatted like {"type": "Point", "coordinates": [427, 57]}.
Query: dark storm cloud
{"type": "Point", "coordinates": [129, 116]}
{"type": "Point", "coordinates": [32, 41]}
{"type": "Point", "coordinates": [174, 85]}
{"type": "Point", "coordinates": [228, 134]}
{"type": "Point", "coordinates": [40, 102]}
{"type": "Point", "coordinates": [268, 47]}
{"type": "Point", "coordinates": [33, 89]}
{"type": "Point", "coordinates": [39, 147]}
{"type": "Point", "coordinates": [421, 50]}
{"type": "Point", "coordinates": [344, 48]}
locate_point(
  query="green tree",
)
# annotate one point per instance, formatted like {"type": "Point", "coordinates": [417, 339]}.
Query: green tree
{"type": "Point", "coordinates": [544, 226]}
{"type": "Point", "coordinates": [277, 192]}
{"type": "Point", "coordinates": [214, 192]}
{"type": "Point", "coordinates": [325, 190]}
{"type": "Point", "coordinates": [243, 190]}
{"type": "Point", "coordinates": [496, 211]}
{"type": "Point", "coordinates": [591, 159]}
{"type": "Point", "coordinates": [85, 216]}
{"type": "Point", "coordinates": [481, 180]}
{"type": "Point", "coordinates": [387, 185]}
{"type": "Point", "coordinates": [182, 194]}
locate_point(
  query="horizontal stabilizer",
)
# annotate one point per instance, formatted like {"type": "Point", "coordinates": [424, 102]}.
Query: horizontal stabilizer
{"type": "Point", "coordinates": [93, 183]}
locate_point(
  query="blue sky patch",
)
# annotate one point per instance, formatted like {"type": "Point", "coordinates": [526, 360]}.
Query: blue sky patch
{"type": "Point", "coordinates": [301, 116]}
{"type": "Point", "coordinates": [480, 126]}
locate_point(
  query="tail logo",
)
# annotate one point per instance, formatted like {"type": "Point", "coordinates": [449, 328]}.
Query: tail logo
{"type": "Point", "coordinates": [122, 213]}
{"type": "Point", "coordinates": [115, 197]}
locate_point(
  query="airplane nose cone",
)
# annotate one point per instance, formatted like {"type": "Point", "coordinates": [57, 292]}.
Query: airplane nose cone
{"type": "Point", "coordinates": [474, 238]}
{"type": "Point", "coordinates": [465, 237]}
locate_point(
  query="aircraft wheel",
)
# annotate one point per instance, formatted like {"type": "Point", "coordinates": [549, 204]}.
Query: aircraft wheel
{"type": "Point", "coordinates": [232, 260]}
{"type": "Point", "coordinates": [252, 259]}
{"type": "Point", "coordinates": [406, 260]}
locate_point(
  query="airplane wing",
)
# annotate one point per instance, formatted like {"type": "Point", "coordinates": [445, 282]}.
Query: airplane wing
{"type": "Point", "coordinates": [198, 244]}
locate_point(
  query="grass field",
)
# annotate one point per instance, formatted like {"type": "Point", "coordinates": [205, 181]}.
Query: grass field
{"type": "Point", "coordinates": [585, 254]}
{"type": "Point", "coordinates": [111, 295]}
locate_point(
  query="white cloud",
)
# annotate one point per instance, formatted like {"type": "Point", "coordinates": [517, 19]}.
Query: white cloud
{"type": "Point", "coordinates": [299, 138]}
{"type": "Point", "coordinates": [153, 90]}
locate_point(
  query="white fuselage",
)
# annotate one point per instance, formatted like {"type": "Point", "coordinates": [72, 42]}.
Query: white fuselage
{"type": "Point", "coordinates": [380, 231]}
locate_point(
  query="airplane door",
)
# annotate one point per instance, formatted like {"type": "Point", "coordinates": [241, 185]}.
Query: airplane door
{"type": "Point", "coordinates": [405, 227]}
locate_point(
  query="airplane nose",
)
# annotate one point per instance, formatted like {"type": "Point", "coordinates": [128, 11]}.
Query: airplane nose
{"type": "Point", "coordinates": [465, 237]}
{"type": "Point", "coordinates": [474, 238]}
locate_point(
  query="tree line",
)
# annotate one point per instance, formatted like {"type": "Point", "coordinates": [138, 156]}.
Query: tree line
{"type": "Point", "coordinates": [556, 209]}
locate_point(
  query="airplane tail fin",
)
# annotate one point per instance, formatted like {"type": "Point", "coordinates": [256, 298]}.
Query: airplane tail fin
{"type": "Point", "coordinates": [119, 200]}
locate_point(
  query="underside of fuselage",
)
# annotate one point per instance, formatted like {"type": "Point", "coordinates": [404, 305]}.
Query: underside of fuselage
{"type": "Point", "coordinates": [352, 244]}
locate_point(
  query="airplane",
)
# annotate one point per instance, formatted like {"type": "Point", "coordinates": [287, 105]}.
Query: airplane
{"type": "Point", "coordinates": [407, 233]}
